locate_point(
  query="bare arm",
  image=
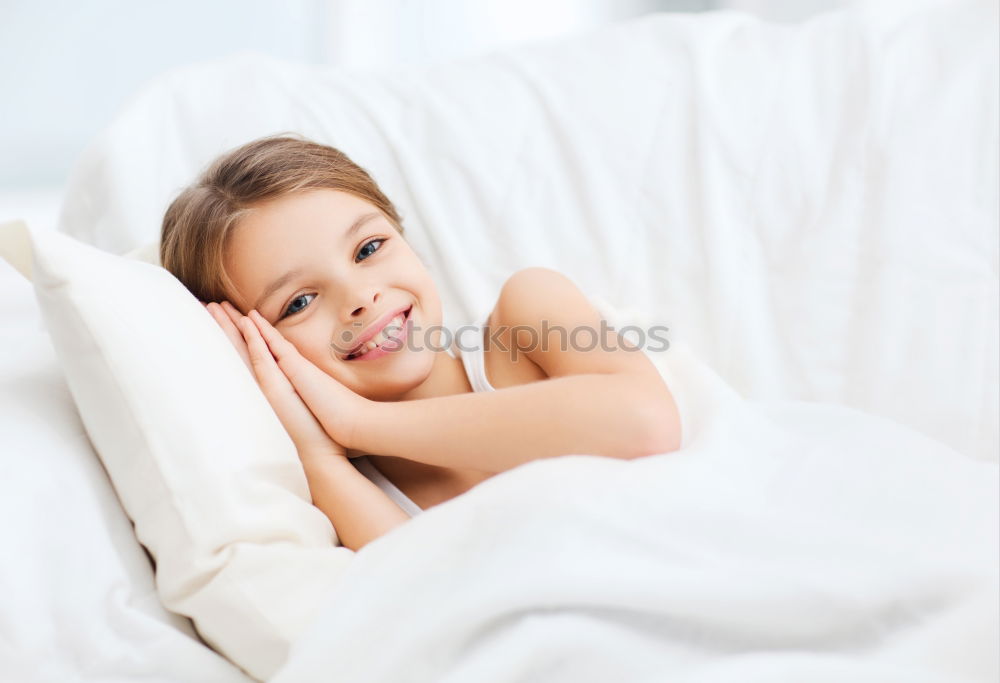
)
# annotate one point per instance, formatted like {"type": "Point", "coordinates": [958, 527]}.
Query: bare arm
{"type": "Point", "coordinates": [606, 400]}
{"type": "Point", "coordinates": [496, 431]}
{"type": "Point", "coordinates": [358, 509]}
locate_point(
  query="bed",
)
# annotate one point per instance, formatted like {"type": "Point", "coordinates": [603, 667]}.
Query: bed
{"type": "Point", "coordinates": [812, 211]}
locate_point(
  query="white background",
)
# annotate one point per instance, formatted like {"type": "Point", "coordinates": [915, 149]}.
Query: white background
{"type": "Point", "coordinates": [68, 67]}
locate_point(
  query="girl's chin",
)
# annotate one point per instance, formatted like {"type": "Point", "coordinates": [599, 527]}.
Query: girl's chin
{"type": "Point", "coordinates": [386, 380]}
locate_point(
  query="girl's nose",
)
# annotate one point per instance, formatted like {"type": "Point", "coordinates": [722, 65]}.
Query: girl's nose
{"type": "Point", "coordinates": [370, 307]}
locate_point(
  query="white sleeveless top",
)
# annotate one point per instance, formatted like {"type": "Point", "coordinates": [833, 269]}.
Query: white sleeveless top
{"type": "Point", "coordinates": [475, 369]}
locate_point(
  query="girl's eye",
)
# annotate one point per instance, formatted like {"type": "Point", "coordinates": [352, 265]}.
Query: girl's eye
{"type": "Point", "coordinates": [292, 309]}
{"type": "Point", "coordinates": [365, 252]}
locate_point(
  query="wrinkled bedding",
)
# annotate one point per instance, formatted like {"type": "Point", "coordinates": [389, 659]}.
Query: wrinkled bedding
{"type": "Point", "coordinates": [786, 541]}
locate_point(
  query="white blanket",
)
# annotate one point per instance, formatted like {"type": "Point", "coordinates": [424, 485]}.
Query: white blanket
{"type": "Point", "coordinates": [786, 541]}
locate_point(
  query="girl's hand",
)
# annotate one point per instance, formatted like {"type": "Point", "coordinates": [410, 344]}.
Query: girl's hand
{"type": "Point", "coordinates": [337, 408]}
{"type": "Point", "coordinates": [307, 434]}
{"type": "Point", "coordinates": [227, 317]}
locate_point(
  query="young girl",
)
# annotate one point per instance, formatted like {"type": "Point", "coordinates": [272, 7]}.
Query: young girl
{"type": "Point", "coordinates": [303, 263]}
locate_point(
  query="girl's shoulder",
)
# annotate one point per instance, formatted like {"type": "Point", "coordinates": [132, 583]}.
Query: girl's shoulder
{"type": "Point", "coordinates": [553, 324]}
{"type": "Point", "coordinates": [548, 319]}
{"type": "Point", "coordinates": [503, 363]}
{"type": "Point", "coordinates": [512, 332]}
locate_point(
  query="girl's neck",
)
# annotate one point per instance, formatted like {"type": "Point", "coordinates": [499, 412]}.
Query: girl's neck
{"type": "Point", "coordinates": [447, 377]}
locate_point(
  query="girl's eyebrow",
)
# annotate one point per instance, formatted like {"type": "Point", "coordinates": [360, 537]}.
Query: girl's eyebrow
{"type": "Point", "coordinates": [275, 286]}
{"type": "Point", "coordinates": [295, 272]}
{"type": "Point", "coordinates": [358, 222]}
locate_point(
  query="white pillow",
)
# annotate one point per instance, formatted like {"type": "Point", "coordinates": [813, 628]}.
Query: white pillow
{"type": "Point", "coordinates": [148, 253]}
{"type": "Point", "coordinates": [58, 507]}
{"type": "Point", "coordinates": [199, 460]}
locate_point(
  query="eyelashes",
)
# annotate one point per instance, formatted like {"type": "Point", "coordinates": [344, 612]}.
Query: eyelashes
{"type": "Point", "coordinates": [369, 243]}
{"type": "Point", "coordinates": [363, 254]}
{"type": "Point", "coordinates": [289, 311]}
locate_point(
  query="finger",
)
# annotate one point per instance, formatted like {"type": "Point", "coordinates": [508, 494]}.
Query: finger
{"type": "Point", "coordinates": [318, 390]}
{"type": "Point", "coordinates": [304, 428]}
{"type": "Point", "coordinates": [224, 321]}
{"type": "Point", "coordinates": [228, 324]}
{"type": "Point", "coordinates": [234, 314]}
{"type": "Point", "coordinates": [308, 379]}
{"type": "Point", "coordinates": [272, 380]}
{"type": "Point", "coordinates": [290, 361]}
{"type": "Point", "coordinates": [281, 347]}
{"type": "Point", "coordinates": [231, 311]}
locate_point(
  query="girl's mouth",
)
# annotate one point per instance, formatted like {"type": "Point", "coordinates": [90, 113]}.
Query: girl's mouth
{"type": "Point", "coordinates": [389, 339]}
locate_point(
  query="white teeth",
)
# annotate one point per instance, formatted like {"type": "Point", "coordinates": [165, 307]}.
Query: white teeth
{"type": "Point", "coordinates": [390, 331]}
{"type": "Point", "coordinates": [363, 349]}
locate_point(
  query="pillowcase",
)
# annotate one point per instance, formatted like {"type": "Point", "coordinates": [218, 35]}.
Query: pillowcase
{"type": "Point", "coordinates": [71, 550]}
{"type": "Point", "coordinates": [148, 253]}
{"type": "Point", "coordinates": [197, 457]}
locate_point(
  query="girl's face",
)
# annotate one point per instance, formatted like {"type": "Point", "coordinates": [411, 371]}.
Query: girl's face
{"type": "Point", "coordinates": [324, 267]}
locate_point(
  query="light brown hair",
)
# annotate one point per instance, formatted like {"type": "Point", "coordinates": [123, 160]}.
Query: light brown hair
{"type": "Point", "coordinates": [199, 222]}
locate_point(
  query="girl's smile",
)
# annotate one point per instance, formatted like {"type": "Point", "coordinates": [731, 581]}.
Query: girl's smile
{"type": "Point", "coordinates": [388, 338]}
{"type": "Point", "coordinates": [332, 273]}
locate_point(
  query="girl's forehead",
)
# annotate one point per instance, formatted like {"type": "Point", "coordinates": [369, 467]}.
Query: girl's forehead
{"type": "Point", "coordinates": [315, 199]}
{"type": "Point", "coordinates": [281, 242]}
{"type": "Point", "coordinates": [316, 214]}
